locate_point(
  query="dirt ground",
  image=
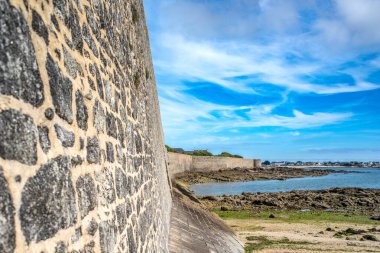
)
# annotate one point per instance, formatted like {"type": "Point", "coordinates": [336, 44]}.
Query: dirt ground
{"type": "Point", "coordinates": [304, 237]}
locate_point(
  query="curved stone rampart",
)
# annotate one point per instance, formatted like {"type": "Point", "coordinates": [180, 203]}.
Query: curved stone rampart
{"type": "Point", "coordinates": [82, 160]}
{"type": "Point", "coordinates": [178, 163]}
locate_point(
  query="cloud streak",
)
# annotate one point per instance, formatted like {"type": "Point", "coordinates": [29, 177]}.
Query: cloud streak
{"type": "Point", "coordinates": [280, 50]}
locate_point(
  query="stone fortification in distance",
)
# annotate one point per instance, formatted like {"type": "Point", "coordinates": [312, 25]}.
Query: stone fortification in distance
{"type": "Point", "coordinates": [178, 163]}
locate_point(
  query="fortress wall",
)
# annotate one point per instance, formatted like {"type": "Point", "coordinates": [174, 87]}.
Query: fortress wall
{"type": "Point", "coordinates": [82, 160]}
{"type": "Point", "coordinates": [213, 163]}
{"type": "Point", "coordinates": [178, 163]}
{"type": "Point", "coordinates": [257, 163]}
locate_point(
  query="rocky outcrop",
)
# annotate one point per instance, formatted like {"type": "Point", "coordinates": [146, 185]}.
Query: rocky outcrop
{"type": "Point", "coordinates": [364, 201]}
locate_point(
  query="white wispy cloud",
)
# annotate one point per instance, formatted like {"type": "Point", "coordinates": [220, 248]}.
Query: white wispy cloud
{"type": "Point", "coordinates": [354, 26]}
{"type": "Point", "coordinates": [217, 61]}
{"type": "Point", "coordinates": [186, 115]}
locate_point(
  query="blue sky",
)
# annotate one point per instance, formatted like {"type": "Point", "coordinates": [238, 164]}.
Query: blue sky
{"type": "Point", "coordinates": [272, 79]}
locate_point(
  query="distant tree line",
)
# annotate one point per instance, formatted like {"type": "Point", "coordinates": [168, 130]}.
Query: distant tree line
{"type": "Point", "coordinates": [199, 152]}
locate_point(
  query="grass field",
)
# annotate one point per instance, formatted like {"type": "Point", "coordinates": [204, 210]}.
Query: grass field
{"type": "Point", "coordinates": [298, 216]}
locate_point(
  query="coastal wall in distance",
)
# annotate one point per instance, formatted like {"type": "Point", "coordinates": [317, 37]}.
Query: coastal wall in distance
{"type": "Point", "coordinates": [82, 159]}
{"type": "Point", "coordinates": [257, 163]}
{"type": "Point", "coordinates": [178, 163]}
{"type": "Point", "coordinates": [214, 163]}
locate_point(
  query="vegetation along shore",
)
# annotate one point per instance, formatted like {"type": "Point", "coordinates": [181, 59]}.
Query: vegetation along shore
{"type": "Point", "coordinates": [331, 220]}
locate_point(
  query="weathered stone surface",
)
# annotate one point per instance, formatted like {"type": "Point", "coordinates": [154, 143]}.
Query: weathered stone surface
{"type": "Point", "coordinates": [76, 236]}
{"type": "Point", "coordinates": [86, 194]}
{"type": "Point", "coordinates": [43, 134]}
{"type": "Point", "coordinates": [39, 26]}
{"type": "Point", "coordinates": [61, 90]}
{"type": "Point", "coordinates": [93, 150]}
{"type": "Point", "coordinates": [76, 160]}
{"type": "Point", "coordinates": [99, 82]}
{"type": "Point", "coordinates": [68, 42]}
{"type": "Point", "coordinates": [55, 22]}
{"type": "Point", "coordinates": [49, 113]}
{"type": "Point", "coordinates": [82, 114]}
{"type": "Point", "coordinates": [66, 137]}
{"type": "Point", "coordinates": [92, 21]}
{"type": "Point", "coordinates": [101, 56]}
{"type": "Point", "coordinates": [121, 131]}
{"type": "Point", "coordinates": [89, 247]}
{"type": "Point", "coordinates": [19, 74]}
{"type": "Point", "coordinates": [108, 236]}
{"type": "Point", "coordinates": [89, 96]}
{"type": "Point", "coordinates": [201, 232]}
{"type": "Point", "coordinates": [18, 138]}
{"type": "Point", "coordinates": [60, 7]}
{"type": "Point", "coordinates": [48, 201]}
{"type": "Point", "coordinates": [111, 125]}
{"type": "Point", "coordinates": [60, 247]}
{"type": "Point", "coordinates": [99, 117]}
{"type": "Point", "coordinates": [110, 98]}
{"type": "Point", "coordinates": [71, 64]}
{"type": "Point", "coordinates": [131, 187]}
{"type": "Point", "coordinates": [72, 22]}
{"type": "Point", "coordinates": [91, 83]}
{"type": "Point", "coordinates": [128, 209]}
{"type": "Point", "coordinates": [81, 143]}
{"type": "Point", "coordinates": [106, 190]}
{"type": "Point", "coordinates": [131, 240]}
{"type": "Point", "coordinates": [58, 53]}
{"type": "Point", "coordinates": [121, 184]}
{"type": "Point", "coordinates": [92, 227]}
{"type": "Point", "coordinates": [138, 144]}
{"type": "Point", "coordinates": [89, 40]}
{"type": "Point", "coordinates": [121, 217]}
{"type": "Point", "coordinates": [110, 152]}
{"type": "Point", "coordinates": [89, 88]}
{"type": "Point", "coordinates": [18, 178]}
{"type": "Point", "coordinates": [7, 222]}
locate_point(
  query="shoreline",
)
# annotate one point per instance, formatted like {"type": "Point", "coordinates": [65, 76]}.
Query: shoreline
{"type": "Point", "coordinates": [243, 175]}
{"type": "Point", "coordinates": [333, 220]}
{"type": "Point", "coordinates": [340, 200]}
{"type": "Point", "coordinates": [325, 166]}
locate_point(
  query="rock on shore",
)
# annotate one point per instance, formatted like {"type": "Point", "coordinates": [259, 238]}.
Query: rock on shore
{"type": "Point", "coordinates": [366, 201]}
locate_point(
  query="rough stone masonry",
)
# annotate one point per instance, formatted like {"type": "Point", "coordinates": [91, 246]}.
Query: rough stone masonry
{"type": "Point", "coordinates": [82, 161]}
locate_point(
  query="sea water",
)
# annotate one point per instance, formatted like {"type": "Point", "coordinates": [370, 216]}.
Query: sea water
{"type": "Point", "coordinates": [359, 177]}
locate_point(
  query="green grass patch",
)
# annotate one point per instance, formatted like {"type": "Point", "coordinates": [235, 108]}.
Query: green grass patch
{"type": "Point", "coordinates": [298, 217]}
{"type": "Point", "coordinates": [262, 242]}
{"type": "Point", "coordinates": [244, 214]}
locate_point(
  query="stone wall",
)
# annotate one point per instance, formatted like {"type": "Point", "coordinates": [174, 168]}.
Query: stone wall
{"type": "Point", "coordinates": [213, 163]}
{"type": "Point", "coordinates": [257, 163]}
{"type": "Point", "coordinates": [178, 163]}
{"type": "Point", "coordinates": [82, 161]}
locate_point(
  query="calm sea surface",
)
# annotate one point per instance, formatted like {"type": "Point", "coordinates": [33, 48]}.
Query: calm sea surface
{"type": "Point", "coordinates": [368, 178]}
